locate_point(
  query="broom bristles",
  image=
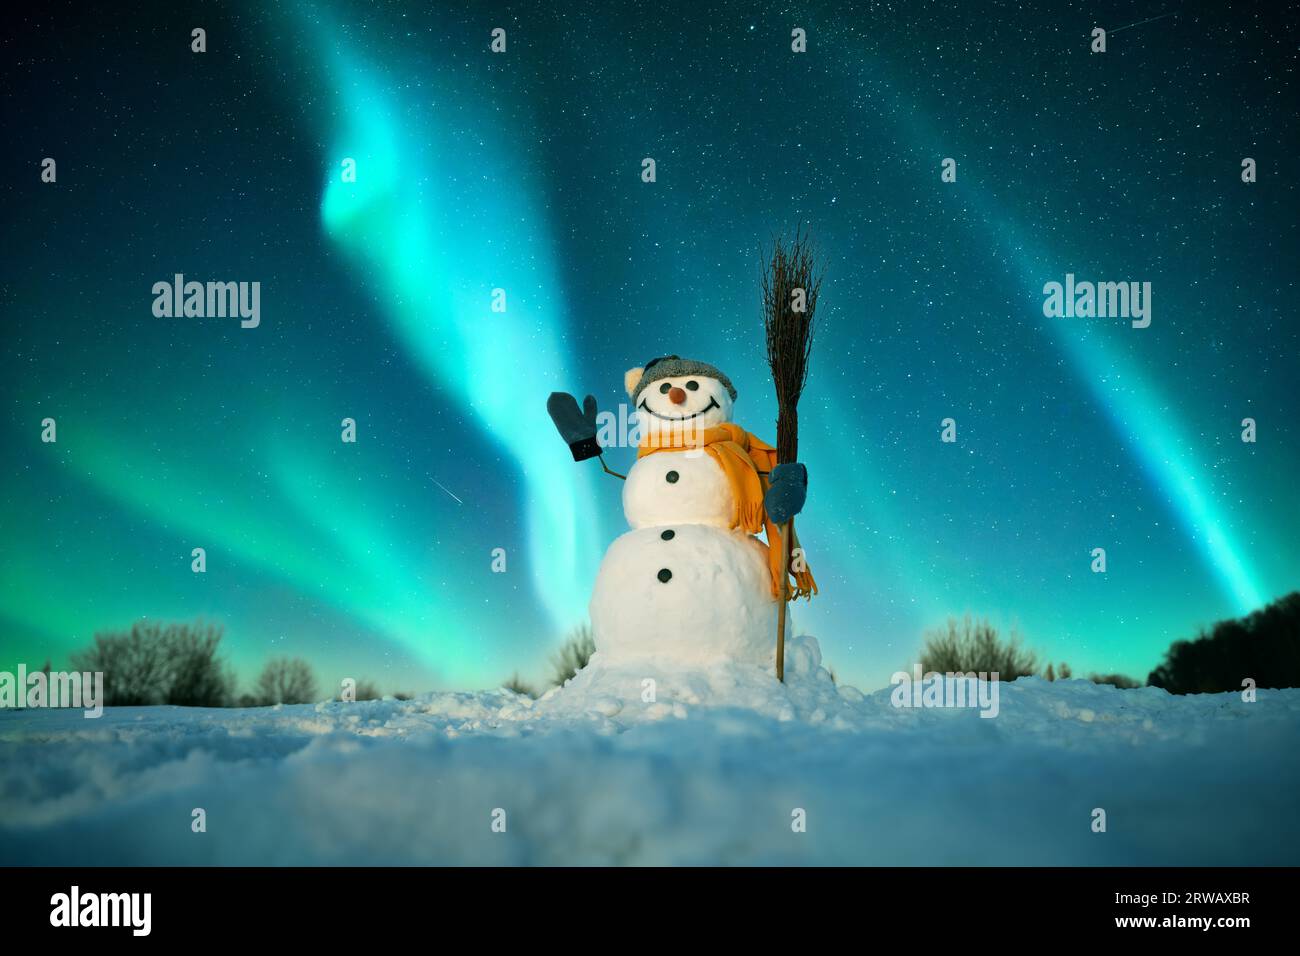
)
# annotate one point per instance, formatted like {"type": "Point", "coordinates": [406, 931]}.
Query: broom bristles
{"type": "Point", "coordinates": [789, 332]}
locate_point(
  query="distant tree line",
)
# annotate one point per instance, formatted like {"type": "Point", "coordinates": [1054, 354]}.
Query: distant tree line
{"type": "Point", "coordinates": [1263, 647]}
{"type": "Point", "coordinates": [155, 663]}
{"type": "Point", "coordinates": [175, 663]}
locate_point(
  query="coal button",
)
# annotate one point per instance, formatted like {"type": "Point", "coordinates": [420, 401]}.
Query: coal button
{"type": "Point", "coordinates": [668, 535]}
{"type": "Point", "coordinates": [672, 477]}
{"type": "Point", "coordinates": [664, 575]}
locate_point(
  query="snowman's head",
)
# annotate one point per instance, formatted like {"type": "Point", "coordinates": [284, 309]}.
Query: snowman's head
{"type": "Point", "coordinates": [675, 396]}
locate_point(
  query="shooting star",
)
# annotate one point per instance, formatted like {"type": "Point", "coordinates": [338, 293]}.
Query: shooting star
{"type": "Point", "coordinates": [1144, 22]}
{"type": "Point", "coordinates": [439, 484]}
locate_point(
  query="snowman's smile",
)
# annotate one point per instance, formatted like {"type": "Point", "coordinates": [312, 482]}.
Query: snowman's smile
{"type": "Point", "coordinates": [713, 403]}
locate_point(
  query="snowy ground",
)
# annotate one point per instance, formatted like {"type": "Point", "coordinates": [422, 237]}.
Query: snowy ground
{"type": "Point", "coordinates": [709, 773]}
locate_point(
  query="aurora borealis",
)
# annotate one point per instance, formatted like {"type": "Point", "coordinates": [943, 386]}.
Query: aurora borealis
{"type": "Point", "coordinates": [521, 171]}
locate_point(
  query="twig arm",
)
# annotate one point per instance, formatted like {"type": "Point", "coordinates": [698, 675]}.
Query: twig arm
{"type": "Point", "coordinates": [608, 471]}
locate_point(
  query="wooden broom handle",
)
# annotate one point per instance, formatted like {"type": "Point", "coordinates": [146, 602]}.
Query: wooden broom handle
{"type": "Point", "coordinates": [787, 530]}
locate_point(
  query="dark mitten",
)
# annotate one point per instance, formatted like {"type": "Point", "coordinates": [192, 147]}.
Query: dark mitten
{"type": "Point", "coordinates": [577, 426]}
{"type": "Point", "coordinates": [786, 492]}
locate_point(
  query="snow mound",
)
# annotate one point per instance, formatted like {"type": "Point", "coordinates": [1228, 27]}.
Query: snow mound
{"type": "Point", "coordinates": [623, 693]}
{"type": "Point", "coordinates": [712, 767]}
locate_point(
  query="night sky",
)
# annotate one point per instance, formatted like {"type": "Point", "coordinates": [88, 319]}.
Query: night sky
{"type": "Point", "coordinates": [522, 171]}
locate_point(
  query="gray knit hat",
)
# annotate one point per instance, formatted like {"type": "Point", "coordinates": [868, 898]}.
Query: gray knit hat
{"type": "Point", "coordinates": [671, 366]}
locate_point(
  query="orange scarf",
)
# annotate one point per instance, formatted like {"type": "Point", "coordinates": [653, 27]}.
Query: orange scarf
{"type": "Point", "coordinates": [746, 461]}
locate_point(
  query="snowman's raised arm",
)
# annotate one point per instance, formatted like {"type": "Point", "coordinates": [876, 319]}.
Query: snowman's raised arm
{"type": "Point", "coordinates": [577, 426]}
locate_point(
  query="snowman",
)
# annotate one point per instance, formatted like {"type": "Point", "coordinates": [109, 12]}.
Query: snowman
{"type": "Point", "coordinates": [690, 584]}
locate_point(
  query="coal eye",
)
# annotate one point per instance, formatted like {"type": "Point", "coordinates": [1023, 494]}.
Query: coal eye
{"type": "Point", "coordinates": [663, 389]}
{"type": "Point", "coordinates": [693, 385]}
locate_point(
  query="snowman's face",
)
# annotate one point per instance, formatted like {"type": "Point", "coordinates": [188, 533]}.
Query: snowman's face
{"type": "Point", "coordinates": [684, 403]}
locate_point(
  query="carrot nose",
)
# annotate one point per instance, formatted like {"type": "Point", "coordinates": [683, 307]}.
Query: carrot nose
{"type": "Point", "coordinates": [676, 395]}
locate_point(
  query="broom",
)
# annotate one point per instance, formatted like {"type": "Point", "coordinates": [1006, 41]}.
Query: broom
{"type": "Point", "coordinates": [789, 283]}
